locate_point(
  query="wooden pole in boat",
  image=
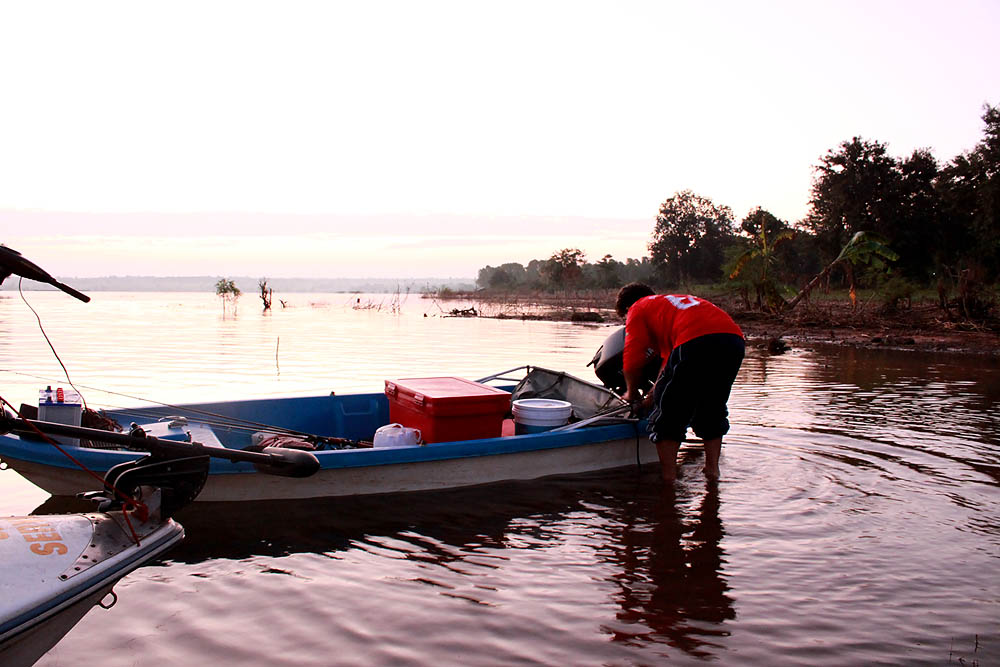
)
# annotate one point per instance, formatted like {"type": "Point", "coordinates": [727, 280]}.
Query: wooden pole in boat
{"type": "Point", "coordinates": [272, 460]}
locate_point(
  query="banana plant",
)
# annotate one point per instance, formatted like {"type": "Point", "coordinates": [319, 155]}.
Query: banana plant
{"type": "Point", "coordinates": [764, 251]}
{"type": "Point", "coordinates": [863, 248]}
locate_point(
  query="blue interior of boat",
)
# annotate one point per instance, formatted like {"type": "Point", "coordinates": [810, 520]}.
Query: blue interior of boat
{"type": "Point", "coordinates": [352, 416]}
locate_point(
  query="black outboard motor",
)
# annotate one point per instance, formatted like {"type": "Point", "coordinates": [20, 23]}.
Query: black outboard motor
{"type": "Point", "coordinates": [608, 365]}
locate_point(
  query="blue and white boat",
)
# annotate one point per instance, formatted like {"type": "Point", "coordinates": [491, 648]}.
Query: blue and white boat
{"type": "Point", "coordinates": [340, 429]}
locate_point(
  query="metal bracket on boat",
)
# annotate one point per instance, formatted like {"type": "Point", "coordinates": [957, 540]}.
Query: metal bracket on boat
{"type": "Point", "coordinates": [176, 421]}
{"type": "Point", "coordinates": [108, 539]}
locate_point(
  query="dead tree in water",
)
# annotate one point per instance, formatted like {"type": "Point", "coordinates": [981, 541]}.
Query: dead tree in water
{"type": "Point", "coordinates": [265, 293]}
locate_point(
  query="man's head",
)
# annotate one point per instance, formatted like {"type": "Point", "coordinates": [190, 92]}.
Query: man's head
{"type": "Point", "coordinates": [629, 295]}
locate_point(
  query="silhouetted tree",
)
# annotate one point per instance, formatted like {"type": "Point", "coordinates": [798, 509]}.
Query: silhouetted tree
{"type": "Point", "coordinates": [504, 276]}
{"type": "Point", "coordinates": [690, 237]}
{"type": "Point", "coordinates": [564, 268]}
{"type": "Point", "coordinates": [856, 189]}
{"type": "Point", "coordinates": [608, 272]}
{"type": "Point", "coordinates": [970, 189]}
{"type": "Point", "coordinates": [916, 233]}
{"type": "Point", "coordinates": [533, 273]}
{"type": "Point", "coordinates": [758, 220]}
{"type": "Point", "coordinates": [638, 271]}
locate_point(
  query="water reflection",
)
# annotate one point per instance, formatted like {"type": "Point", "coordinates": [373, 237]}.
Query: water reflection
{"type": "Point", "coordinates": [661, 552]}
{"type": "Point", "coordinates": [671, 587]}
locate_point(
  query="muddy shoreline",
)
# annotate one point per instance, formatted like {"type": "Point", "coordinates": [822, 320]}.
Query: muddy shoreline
{"type": "Point", "coordinates": [922, 327]}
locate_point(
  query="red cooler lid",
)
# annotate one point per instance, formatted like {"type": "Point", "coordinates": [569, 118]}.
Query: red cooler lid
{"type": "Point", "coordinates": [446, 393]}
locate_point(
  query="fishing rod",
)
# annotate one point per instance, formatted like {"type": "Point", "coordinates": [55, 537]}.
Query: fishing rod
{"type": "Point", "coordinates": [611, 412]}
{"type": "Point", "coordinates": [220, 420]}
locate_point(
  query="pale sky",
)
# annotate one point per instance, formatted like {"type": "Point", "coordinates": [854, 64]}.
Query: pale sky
{"type": "Point", "coordinates": [417, 139]}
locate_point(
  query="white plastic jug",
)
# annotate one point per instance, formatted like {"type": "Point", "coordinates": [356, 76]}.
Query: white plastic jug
{"type": "Point", "coordinates": [397, 435]}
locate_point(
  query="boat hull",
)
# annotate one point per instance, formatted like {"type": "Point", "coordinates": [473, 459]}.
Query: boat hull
{"type": "Point", "coordinates": [343, 472]}
{"type": "Point", "coordinates": [385, 477]}
{"type": "Point", "coordinates": [432, 475]}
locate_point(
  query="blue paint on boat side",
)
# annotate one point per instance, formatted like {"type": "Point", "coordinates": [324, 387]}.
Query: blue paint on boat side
{"type": "Point", "coordinates": [43, 453]}
{"type": "Point", "coordinates": [353, 458]}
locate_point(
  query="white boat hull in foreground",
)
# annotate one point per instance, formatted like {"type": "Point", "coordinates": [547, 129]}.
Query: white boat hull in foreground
{"type": "Point", "coordinates": [56, 568]}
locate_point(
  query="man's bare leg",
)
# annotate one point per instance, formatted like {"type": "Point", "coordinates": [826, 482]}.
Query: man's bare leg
{"type": "Point", "coordinates": [713, 449]}
{"type": "Point", "coordinates": [667, 451]}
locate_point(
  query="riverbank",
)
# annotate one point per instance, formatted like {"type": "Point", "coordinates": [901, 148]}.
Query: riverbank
{"type": "Point", "coordinates": [921, 326]}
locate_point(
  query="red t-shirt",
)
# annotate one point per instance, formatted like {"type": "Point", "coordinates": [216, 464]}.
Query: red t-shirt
{"type": "Point", "coordinates": [659, 323]}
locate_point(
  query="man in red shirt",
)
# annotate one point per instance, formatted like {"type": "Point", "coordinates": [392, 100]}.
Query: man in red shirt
{"type": "Point", "coordinates": [701, 348]}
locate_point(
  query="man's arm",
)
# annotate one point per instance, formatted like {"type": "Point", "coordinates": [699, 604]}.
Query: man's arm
{"type": "Point", "coordinates": [632, 380]}
{"type": "Point", "coordinates": [633, 356]}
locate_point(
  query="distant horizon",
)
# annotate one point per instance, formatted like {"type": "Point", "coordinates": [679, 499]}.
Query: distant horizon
{"type": "Point", "coordinates": [247, 284]}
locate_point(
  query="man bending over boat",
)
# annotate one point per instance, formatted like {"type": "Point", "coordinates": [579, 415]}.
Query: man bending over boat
{"type": "Point", "coordinates": [701, 348]}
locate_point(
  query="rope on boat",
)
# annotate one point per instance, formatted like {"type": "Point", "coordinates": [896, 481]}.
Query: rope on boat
{"type": "Point", "coordinates": [51, 346]}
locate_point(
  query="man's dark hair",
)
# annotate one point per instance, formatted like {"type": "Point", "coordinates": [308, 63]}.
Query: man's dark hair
{"type": "Point", "coordinates": [629, 295]}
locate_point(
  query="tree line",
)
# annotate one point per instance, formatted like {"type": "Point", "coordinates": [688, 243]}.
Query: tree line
{"type": "Point", "coordinates": [873, 218]}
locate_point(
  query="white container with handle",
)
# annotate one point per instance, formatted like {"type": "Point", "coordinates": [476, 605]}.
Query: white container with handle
{"type": "Point", "coordinates": [397, 435]}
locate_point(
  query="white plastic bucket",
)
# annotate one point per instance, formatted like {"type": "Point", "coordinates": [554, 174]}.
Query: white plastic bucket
{"type": "Point", "coordinates": [396, 435]}
{"type": "Point", "coordinates": [535, 415]}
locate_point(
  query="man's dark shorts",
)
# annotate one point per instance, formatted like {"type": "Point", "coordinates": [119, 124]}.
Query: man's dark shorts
{"type": "Point", "coordinates": [694, 387]}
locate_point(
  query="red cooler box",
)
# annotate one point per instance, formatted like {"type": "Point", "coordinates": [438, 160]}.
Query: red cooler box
{"type": "Point", "coordinates": [447, 408]}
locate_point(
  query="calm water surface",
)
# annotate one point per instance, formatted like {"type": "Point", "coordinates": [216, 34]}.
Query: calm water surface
{"type": "Point", "coordinates": [857, 521]}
